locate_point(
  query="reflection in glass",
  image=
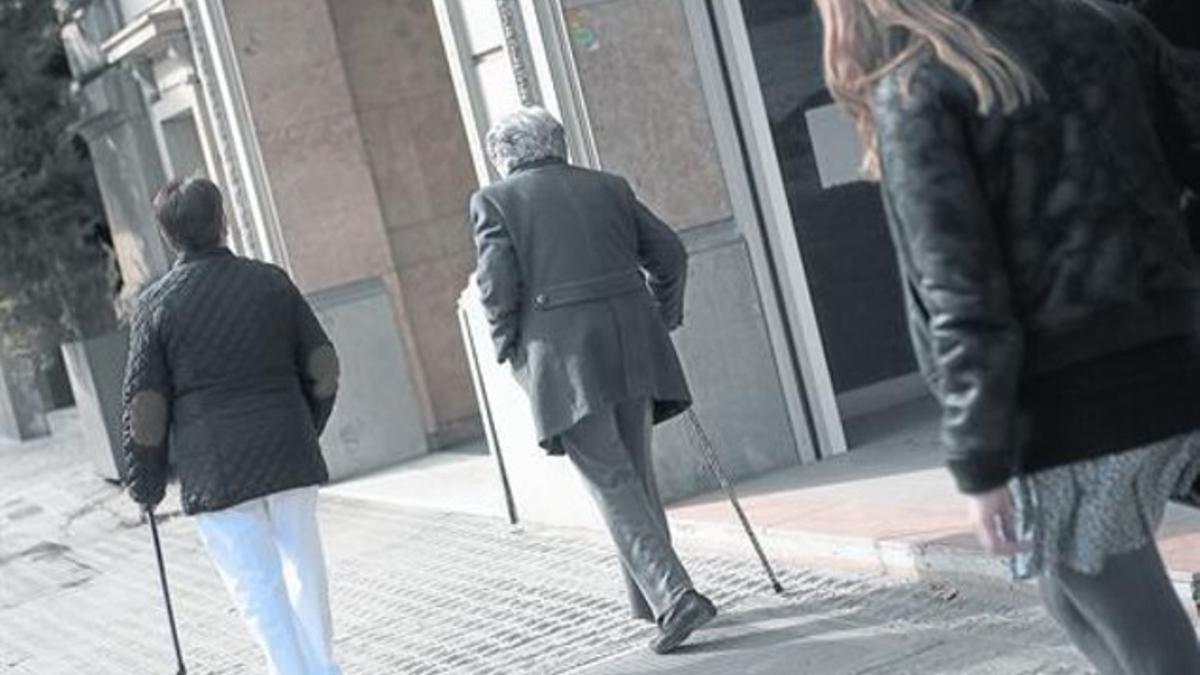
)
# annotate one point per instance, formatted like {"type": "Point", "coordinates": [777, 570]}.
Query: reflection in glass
{"type": "Point", "coordinates": [839, 218]}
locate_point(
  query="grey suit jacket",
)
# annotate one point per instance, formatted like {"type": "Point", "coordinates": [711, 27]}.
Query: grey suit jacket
{"type": "Point", "coordinates": [581, 284]}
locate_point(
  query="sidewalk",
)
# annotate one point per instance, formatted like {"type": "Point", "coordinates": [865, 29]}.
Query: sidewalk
{"type": "Point", "coordinates": [887, 507]}
{"type": "Point", "coordinates": [414, 591]}
{"type": "Point", "coordinates": [890, 507]}
{"type": "Point", "coordinates": [901, 629]}
{"type": "Point", "coordinates": [426, 592]}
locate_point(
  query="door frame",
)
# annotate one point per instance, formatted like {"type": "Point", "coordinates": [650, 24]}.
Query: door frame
{"type": "Point", "coordinates": [748, 162]}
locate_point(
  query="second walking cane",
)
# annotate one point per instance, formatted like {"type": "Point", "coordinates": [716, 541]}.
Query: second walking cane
{"type": "Point", "coordinates": [697, 436]}
{"type": "Point", "coordinates": [162, 576]}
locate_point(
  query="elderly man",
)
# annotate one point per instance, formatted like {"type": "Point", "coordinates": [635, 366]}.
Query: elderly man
{"type": "Point", "coordinates": [229, 383]}
{"type": "Point", "coordinates": [581, 284]}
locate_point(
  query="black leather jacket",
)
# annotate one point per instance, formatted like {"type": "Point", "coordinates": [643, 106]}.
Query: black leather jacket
{"type": "Point", "coordinates": [1052, 237]}
{"type": "Point", "coordinates": [1178, 20]}
{"type": "Point", "coordinates": [230, 381]}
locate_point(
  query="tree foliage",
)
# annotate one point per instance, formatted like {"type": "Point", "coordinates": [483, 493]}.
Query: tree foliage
{"type": "Point", "coordinates": [56, 279]}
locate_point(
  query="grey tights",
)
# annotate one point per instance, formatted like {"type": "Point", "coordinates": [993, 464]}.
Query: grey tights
{"type": "Point", "coordinates": [1127, 620]}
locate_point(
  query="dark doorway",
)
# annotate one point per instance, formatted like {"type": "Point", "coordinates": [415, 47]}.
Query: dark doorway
{"type": "Point", "coordinates": [839, 218]}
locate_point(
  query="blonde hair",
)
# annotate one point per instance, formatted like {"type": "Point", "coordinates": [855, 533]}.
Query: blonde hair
{"type": "Point", "coordinates": [867, 40]}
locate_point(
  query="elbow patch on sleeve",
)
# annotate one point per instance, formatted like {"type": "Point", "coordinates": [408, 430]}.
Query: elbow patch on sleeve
{"type": "Point", "coordinates": [148, 418]}
{"type": "Point", "coordinates": [324, 370]}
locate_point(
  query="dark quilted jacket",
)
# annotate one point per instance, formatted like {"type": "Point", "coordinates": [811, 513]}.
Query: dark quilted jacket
{"type": "Point", "coordinates": [1037, 246]}
{"type": "Point", "coordinates": [230, 381]}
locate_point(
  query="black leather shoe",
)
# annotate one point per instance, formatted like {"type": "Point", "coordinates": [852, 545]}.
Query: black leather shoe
{"type": "Point", "coordinates": [690, 613]}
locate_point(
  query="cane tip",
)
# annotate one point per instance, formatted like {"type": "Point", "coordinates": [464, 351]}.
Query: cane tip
{"type": "Point", "coordinates": [778, 588]}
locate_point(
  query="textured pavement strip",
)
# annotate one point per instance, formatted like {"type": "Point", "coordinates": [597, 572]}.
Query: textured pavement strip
{"type": "Point", "coordinates": [423, 592]}
{"type": "Point", "coordinates": [867, 627]}
{"type": "Point", "coordinates": [538, 600]}
{"type": "Point", "coordinates": [414, 592]}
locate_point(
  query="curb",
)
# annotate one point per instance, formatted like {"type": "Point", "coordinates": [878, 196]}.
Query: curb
{"type": "Point", "coordinates": [898, 559]}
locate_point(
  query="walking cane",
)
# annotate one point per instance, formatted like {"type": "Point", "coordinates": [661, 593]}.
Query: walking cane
{"type": "Point", "coordinates": [709, 453]}
{"type": "Point", "coordinates": [162, 576]}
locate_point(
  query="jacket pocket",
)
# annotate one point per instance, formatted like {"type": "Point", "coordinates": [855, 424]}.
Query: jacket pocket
{"type": "Point", "coordinates": [590, 290]}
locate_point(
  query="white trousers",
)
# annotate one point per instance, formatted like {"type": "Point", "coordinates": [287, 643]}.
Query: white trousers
{"type": "Point", "coordinates": [268, 552]}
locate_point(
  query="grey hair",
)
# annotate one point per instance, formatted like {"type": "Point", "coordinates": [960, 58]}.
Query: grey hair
{"type": "Point", "coordinates": [525, 136]}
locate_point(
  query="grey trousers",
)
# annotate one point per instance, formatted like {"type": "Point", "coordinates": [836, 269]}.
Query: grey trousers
{"type": "Point", "coordinates": [1127, 620]}
{"type": "Point", "coordinates": [612, 452]}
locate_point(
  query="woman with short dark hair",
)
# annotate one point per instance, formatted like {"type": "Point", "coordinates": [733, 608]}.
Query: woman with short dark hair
{"type": "Point", "coordinates": [1032, 154]}
{"type": "Point", "coordinates": [190, 214]}
{"type": "Point", "coordinates": [229, 384]}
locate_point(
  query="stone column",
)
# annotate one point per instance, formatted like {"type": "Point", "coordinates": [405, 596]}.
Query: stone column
{"type": "Point", "coordinates": [420, 167]}
{"type": "Point", "coordinates": [128, 170]}
{"type": "Point", "coordinates": [344, 107]}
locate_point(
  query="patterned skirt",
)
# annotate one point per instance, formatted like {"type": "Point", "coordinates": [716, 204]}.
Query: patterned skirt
{"type": "Point", "coordinates": [1079, 514]}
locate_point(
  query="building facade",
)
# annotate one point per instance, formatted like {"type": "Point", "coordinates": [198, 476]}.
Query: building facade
{"type": "Point", "coordinates": [348, 135]}
{"type": "Point", "coordinates": [795, 339]}
{"type": "Point", "coordinates": [333, 128]}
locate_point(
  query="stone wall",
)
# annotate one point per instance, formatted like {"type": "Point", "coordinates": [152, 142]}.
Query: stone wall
{"type": "Point", "coordinates": [354, 114]}
{"type": "Point", "coordinates": [311, 142]}
{"type": "Point", "coordinates": [421, 165]}
{"type": "Point", "coordinates": [647, 110]}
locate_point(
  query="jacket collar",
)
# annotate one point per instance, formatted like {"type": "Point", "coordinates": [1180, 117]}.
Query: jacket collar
{"type": "Point", "coordinates": [537, 164]}
{"type": "Point", "coordinates": [204, 254]}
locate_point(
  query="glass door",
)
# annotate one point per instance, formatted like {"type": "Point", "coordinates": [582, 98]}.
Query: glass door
{"type": "Point", "coordinates": [838, 218]}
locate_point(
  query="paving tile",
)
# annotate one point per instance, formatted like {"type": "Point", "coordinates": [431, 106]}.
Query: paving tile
{"type": "Point", "coordinates": [419, 590]}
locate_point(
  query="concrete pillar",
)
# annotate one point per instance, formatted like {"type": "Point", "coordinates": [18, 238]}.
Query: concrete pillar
{"type": "Point", "coordinates": [365, 160]}
{"type": "Point", "coordinates": [128, 170]}
{"type": "Point", "coordinates": [419, 160]}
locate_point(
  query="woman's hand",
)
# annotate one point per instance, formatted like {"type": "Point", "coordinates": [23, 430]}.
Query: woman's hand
{"type": "Point", "coordinates": [990, 515]}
